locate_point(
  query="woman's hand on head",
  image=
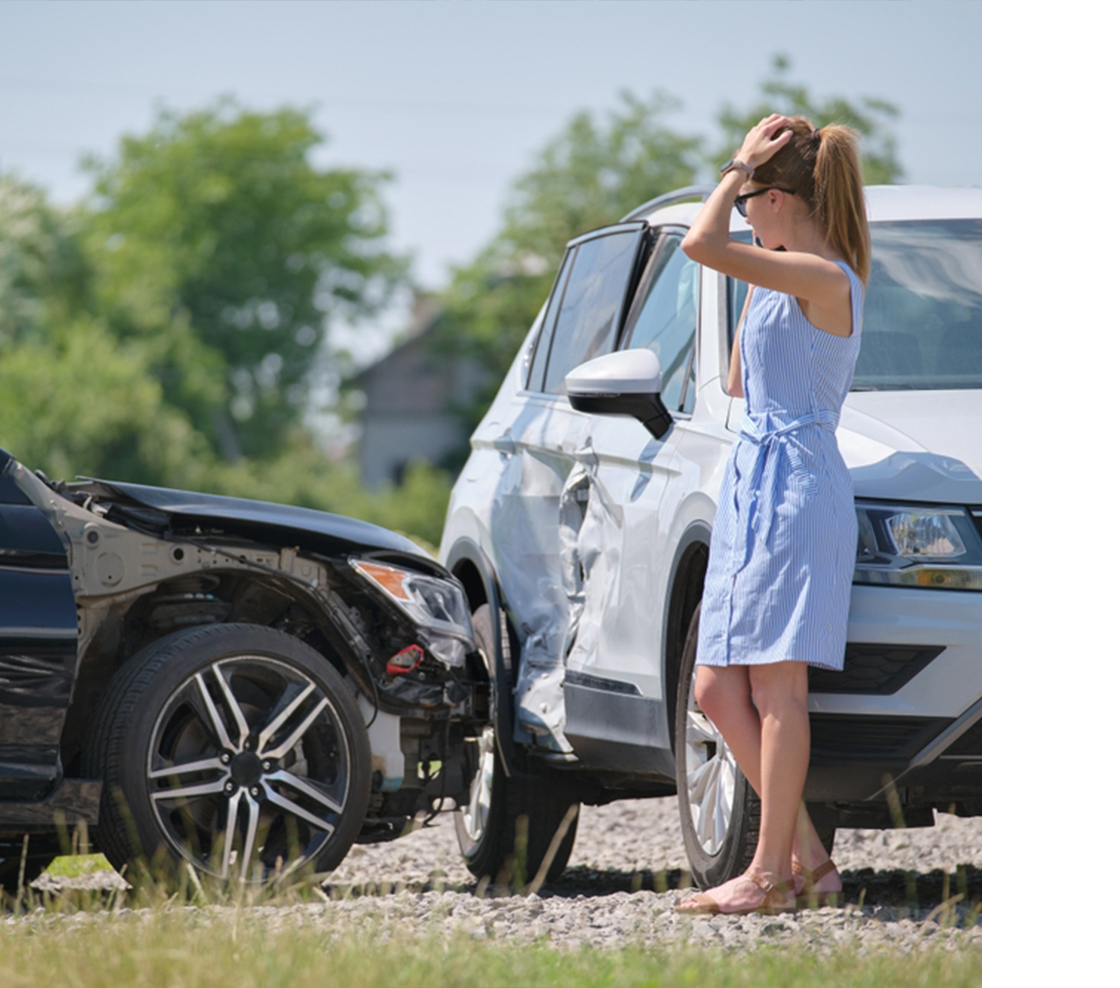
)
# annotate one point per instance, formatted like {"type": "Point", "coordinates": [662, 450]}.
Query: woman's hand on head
{"type": "Point", "coordinates": [760, 144]}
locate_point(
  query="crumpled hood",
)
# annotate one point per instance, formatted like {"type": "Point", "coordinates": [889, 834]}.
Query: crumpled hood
{"type": "Point", "coordinates": [914, 445]}
{"type": "Point", "coordinates": [266, 521]}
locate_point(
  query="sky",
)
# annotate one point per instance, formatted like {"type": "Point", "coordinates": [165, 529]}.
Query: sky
{"type": "Point", "coordinates": [457, 98]}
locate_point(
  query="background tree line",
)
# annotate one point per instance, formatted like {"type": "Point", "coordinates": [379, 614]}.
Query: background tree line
{"type": "Point", "coordinates": [171, 328]}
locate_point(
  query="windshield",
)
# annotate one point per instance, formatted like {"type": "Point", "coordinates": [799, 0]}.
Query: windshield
{"type": "Point", "coordinates": [921, 323]}
{"type": "Point", "coordinates": [922, 319]}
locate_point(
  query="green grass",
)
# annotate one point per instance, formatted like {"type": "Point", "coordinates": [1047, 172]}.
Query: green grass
{"type": "Point", "coordinates": [152, 948]}
{"type": "Point", "coordinates": [205, 934]}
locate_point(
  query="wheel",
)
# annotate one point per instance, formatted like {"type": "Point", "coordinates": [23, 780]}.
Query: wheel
{"type": "Point", "coordinates": [720, 812]}
{"type": "Point", "coordinates": [508, 825]}
{"type": "Point", "coordinates": [234, 748]}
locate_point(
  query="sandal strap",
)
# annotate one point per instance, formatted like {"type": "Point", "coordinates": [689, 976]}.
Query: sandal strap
{"type": "Point", "coordinates": [769, 887]}
{"type": "Point", "coordinates": [811, 878]}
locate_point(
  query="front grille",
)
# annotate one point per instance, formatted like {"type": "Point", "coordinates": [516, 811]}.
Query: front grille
{"type": "Point", "coordinates": [874, 669]}
{"type": "Point", "coordinates": [860, 737]}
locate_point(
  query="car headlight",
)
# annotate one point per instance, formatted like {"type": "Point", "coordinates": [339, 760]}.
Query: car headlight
{"type": "Point", "coordinates": [917, 546]}
{"type": "Point", "coordinates": [436, 606]}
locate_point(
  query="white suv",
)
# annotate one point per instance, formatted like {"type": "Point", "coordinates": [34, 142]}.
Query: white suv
{"type": "Point", "coordinates": [580, 528]}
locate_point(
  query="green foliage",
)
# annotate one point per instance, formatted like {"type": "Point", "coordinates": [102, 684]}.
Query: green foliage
{"type": "Point", "coordinates": [43, 274]}
{"type": "Point", "coordinates": [80, 401]}
{"type": "Point", "coordinates": [590, 175]}
{"type": "Point", "coordinates": [870, 116]}
{"type": "Point", "coordinates": [217, 221]}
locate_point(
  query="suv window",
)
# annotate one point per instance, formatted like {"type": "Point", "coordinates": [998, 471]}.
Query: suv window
{"type": "Point", "coordinates": [665, 318]}
{"type": "Point", "coordinates": [922, 322]}
{"type": "Point", "coordinates": [589, 308]}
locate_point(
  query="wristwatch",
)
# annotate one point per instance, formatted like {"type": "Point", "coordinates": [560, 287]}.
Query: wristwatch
{"type": "Point", "coordinates": [738, 166]}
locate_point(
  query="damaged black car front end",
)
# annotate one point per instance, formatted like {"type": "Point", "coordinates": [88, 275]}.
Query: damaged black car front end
{"type": "Point", "coordinates": [241, 686]}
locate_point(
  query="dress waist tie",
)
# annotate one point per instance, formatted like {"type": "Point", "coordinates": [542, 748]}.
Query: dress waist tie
{"type": "Point", "coordinates": [774, 443]}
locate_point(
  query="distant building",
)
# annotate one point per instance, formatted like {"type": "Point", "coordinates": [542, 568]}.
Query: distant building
{"type": "Point", "coordinates": [409, 397]}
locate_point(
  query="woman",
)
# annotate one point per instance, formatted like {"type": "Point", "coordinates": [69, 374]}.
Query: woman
{"type": "Point", "coordinates": [783, 549]}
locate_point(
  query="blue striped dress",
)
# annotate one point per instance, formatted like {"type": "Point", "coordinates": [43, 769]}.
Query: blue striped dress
{"type": "Point", "coordinates": [784, 544]}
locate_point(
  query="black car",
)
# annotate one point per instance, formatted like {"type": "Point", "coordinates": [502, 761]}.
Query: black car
{"type": "Point", "coordinates": [242, 686]}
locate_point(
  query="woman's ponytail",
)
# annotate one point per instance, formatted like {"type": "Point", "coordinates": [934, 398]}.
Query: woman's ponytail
{"type": "Point", "coordinates": [840, 207]}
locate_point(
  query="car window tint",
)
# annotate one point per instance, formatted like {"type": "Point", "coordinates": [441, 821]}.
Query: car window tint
{"type": "Point", "coordinates": [666, 323]}
{"type": "Point", "coordinates": [587, 318]}
{"type": "Point", "coordinates": [544, 340]}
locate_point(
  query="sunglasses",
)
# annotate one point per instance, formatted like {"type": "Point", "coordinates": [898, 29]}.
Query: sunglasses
{"type": "Point", "coordinates": [741, 201]}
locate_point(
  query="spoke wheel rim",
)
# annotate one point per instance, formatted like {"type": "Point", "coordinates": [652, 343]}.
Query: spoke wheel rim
{"type": "Point", "coordinates": [477, 811]}
{"type": "Point", "coordinates": [712, 777]}
{"type": "Point", "coordinates": [248, 768]}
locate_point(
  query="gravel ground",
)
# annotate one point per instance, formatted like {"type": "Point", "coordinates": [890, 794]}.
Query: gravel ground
{"type": "Point", "coordinates": [627, 870]}
{"type": "Point", "coordinates": [626, 873]}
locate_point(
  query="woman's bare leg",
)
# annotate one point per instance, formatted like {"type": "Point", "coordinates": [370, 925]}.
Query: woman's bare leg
{"type": "Point", "coordinates": [725, 695]}
{"type": "Point", "coordinates": [780, 693]}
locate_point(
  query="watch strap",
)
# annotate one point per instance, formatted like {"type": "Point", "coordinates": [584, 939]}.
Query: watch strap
{"type": "Point", "coordinates": [737, 165]}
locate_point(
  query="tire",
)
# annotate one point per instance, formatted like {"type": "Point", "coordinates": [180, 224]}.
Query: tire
{"type": "Point", "coordinates": [219, 734]}
{"type": "Point", "coordinates": [720, 812]}
{"type": "Point", "coordinates": [507, 827]}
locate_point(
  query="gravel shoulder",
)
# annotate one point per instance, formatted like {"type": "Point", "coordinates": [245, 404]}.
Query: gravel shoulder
{"type": "Point", "coordinates": [628, 867]}
{"type": "Point", "coordinates": [902, 888]}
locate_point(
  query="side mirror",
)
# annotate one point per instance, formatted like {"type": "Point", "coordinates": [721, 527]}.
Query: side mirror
{"type": "Point", "coordinates": [627, 382]}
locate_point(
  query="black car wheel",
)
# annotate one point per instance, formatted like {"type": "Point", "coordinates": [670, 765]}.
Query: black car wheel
{"type": "Point", "coordinates": [235, 748]}
{"type": "Point", "coordinates": [720, 812]}
{"type": "Point", "coordinates": [508, 826]}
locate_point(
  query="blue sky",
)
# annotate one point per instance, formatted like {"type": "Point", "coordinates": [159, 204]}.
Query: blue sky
{"type": "Point", "coordinates": [455, 98]}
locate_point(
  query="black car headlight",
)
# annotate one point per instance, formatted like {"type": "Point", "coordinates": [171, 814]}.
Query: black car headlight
{"type": "Point", "coordinates": [437, 606]}
{"type": "Point", "coordinates": [917, 546]}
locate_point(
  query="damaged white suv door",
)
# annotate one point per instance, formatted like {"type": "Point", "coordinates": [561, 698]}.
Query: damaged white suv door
{"type": "Point", "coordinates": [577, 496]}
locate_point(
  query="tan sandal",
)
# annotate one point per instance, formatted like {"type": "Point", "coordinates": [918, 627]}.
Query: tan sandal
{"type": "Point", "coordinates": [704, 904]}
{"type": "Point", "coordinates": [805, 882]}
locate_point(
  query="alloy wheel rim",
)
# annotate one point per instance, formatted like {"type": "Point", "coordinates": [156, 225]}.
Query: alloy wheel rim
{"type": "Point", "coordinates": [712, 775]}
{"type": "Point", "coordinates": [248, 768]}
{"type": "Point", "coordinates": [477, 810]}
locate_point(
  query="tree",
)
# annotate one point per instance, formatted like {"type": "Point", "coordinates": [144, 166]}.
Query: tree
{"type": "Point", "coordinates": [81, 402]}
{"type": "Point", "coordinates": [218, 242]}
{"type": "Point", "coordinates": [589, 175]}
{"type": "Point", "coordinates": [871, 118]}
{"type": "Point", "coordinates": [43, 273]}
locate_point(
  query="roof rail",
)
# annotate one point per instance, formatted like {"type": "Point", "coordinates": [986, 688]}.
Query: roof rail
{"type": "Point", "coordinates": [678, 195]}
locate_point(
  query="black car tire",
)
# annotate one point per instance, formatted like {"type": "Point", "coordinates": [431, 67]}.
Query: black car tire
{"type": "Point", "coordinates": [268, 742]}
{"type": "Point", "coordinates": [507, 829]}
{"type": "Point", "coordinates": [720, 812]}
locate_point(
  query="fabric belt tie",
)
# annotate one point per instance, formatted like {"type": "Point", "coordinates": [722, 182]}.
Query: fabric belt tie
{"type": "Point", "coordinates": [774, 443]}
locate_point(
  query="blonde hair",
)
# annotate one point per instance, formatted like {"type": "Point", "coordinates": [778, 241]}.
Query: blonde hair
{"type": "Point", "coordinates": [822, 167]}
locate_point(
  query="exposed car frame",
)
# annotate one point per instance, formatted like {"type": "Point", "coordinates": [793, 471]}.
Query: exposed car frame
{"type": "Point", "coordinates": [278, 667]}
